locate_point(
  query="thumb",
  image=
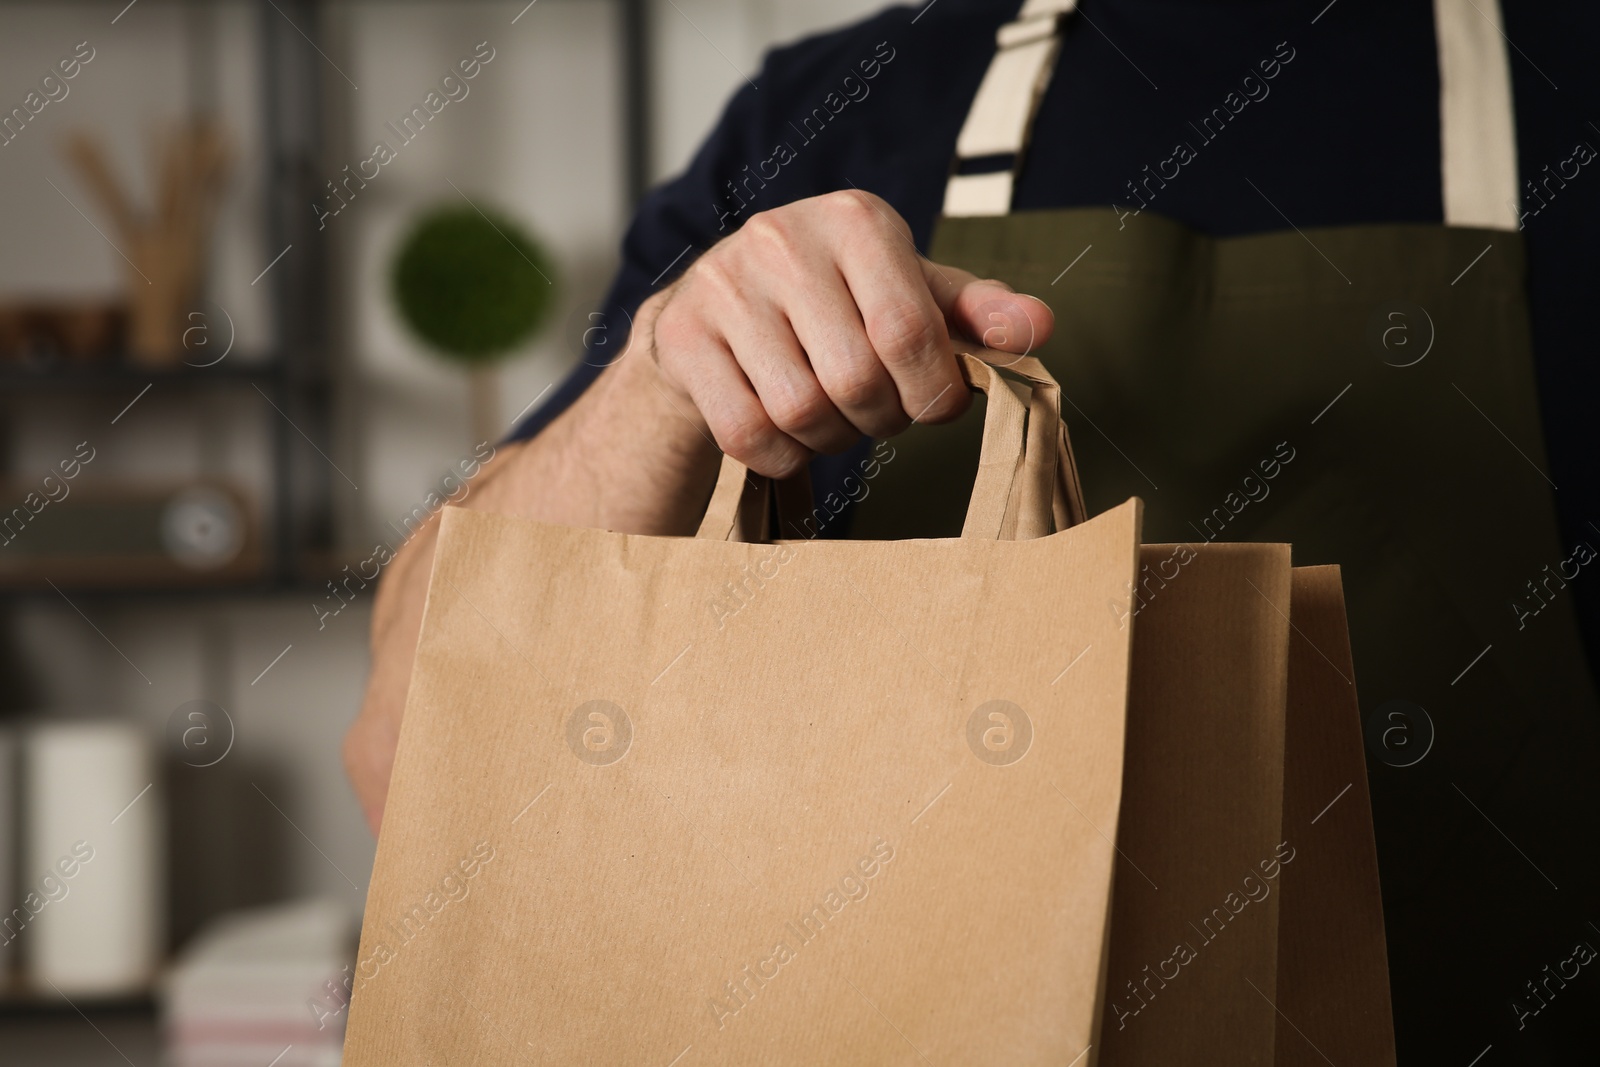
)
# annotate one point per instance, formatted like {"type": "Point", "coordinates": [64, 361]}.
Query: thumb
{"type": "Point", "coordinates": [987, 311]}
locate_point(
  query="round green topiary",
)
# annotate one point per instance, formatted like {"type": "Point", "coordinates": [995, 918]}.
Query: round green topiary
{"type": "Point", "coordinates": [472, 285]}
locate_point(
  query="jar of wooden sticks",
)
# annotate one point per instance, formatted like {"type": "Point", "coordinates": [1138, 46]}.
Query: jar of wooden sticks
{"type": "Point", "coordinates": [164, 248]}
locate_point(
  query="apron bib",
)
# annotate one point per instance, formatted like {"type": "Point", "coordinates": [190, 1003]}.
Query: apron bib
{"type": "Point", "coordinates": [1355, 392]}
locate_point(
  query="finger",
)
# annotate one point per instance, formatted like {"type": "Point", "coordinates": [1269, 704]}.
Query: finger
{"type": "Point", "coordinates": [735, 415]}
{"type": "Point", "coordinates": [903, 323]}
{"type": "Point", "coordinates": [828, 326]}
{"type": "Point", "coordinates": [989, 311]}
{"type": "Point", "coordinates": [777, 368]}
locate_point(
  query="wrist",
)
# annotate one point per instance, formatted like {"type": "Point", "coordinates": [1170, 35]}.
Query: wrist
{"type": "Point", "coordinates": [647, 368]}
{"type": "Point", "coordinates": [638, 443]}
{"type": "Point", "coordinates": [642, 387]}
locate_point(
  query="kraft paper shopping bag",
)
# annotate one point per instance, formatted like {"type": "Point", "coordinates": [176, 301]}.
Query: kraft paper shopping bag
{"type": "Point", "coordinates": [1195, 916]}
{"type": "Point", "coordinates": [860, 812]}
{"type": "Point", "coordinates": [711, 801]}
{"type": "Point", "coordinates": [1247, 926]}
{"type": "Point", "coordinates": [1333, 971]}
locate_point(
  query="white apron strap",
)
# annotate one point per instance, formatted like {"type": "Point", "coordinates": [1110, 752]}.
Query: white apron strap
{"type": "Point", "coordinates": [1477, 131]}
{"type": "Point", "coordinates": [1001, 118]}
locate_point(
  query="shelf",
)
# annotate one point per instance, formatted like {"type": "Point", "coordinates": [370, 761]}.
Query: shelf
{"type": "Point", "coordinates": [68, 1041]}
{"type": "Point", "coordinates": [312, 573]}
{"type": "Point", "coordinates": [17, 996]}
{"type": "Point", "coordinates": [120, 375]}
{"type": "Point", "coordinates": [86, 1033]}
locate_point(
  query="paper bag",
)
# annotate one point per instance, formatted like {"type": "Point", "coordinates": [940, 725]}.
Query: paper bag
{"type": "Point", "coordinates": [1247, 925]}
{"type": "Point", "coordinates": [1333, 964]}
{"type": "Point", "coordinates": [1194, 934]}
{"type": "Point", "coordinates": [861, 813]}
{"type": "Point", "coordinates": [697, 800]}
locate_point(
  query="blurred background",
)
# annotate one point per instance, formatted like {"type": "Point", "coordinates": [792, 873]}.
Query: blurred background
{"type": "Point", "coordinates": [241, 349]}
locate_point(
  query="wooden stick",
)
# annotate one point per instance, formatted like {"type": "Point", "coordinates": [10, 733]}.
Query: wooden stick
{"type": "Point", "coordinates": [87, 154]}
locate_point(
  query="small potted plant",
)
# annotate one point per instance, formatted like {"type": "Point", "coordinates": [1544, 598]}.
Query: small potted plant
{"type": "Point", "coordinates": [475, 286]}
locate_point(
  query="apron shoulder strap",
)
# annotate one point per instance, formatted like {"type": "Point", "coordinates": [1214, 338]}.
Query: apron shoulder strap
{"type": "Point", "coordinates": [1477, 130]}
{"type": "Point", "coordinates": [1001, 118]}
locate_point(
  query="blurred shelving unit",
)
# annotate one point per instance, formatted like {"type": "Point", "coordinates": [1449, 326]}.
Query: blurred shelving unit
{"type": "Point", "coordinates": [294, 542]}
{"type": "Point", "coordinates": [16, 379]}
{"type": "Point", "coordinates": [292, 538]}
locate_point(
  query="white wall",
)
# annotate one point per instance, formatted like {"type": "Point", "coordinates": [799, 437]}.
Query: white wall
{"type": "Point", "coordinates": [538, 136]}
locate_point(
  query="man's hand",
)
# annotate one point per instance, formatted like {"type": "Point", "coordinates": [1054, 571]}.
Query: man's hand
{"type": "Point", "coordinates": [818, 322]}
{"type": "Point", "coordinates": [815, 323]}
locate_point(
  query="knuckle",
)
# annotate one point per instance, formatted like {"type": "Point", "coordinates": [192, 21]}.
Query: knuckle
{"type": "Point", "coordinates": [800, 408]}
{"type": "Point", "coordinates": [676, 330]}
{"type": "Point", "coordinates": [757, 444]}
{"type": "Point", "coordinates": [852, 204]}
{"type": "Point", "coordinates": [671, 323]}
{"type": "Point", "coordinates": [784, 460]}
{"type": "Point", "coordinates": [715, 277]}
{"type": "Point", "coordinates": [904, 332]}
{"type": "Point", "coordinates": [859, 208]}
{"type": "Point", "coordinates": [770, 230]}
{"type": "Point", "coordinates": [858, 388]}
{"type": "Point", "coordinates": [745, 434]}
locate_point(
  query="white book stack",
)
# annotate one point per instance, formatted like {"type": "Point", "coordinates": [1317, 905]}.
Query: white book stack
{"type": "Point", "coordinates": [267, 986]}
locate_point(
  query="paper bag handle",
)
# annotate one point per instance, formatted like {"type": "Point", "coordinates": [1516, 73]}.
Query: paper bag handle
{"type": "Point", "coordinates": [992, 513]}
{"type": "Point", "coordinates": [741, 504]}
{"type": "Point", "coordinates": [1046, 494]}
{"type": "Point", "coordinates": [1027, 483]}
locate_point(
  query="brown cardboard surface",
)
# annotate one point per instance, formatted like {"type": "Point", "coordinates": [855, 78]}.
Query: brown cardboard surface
{"type": "Point", "coordinates": [1333, 974]}
{"type": "Point", "coordinates": [796, 758]}
{"type": "Point", "coordinates": [1194, 920]}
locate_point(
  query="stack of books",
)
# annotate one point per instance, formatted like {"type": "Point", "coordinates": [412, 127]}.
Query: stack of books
{"type": "Point", "coordinates": [267, 986]}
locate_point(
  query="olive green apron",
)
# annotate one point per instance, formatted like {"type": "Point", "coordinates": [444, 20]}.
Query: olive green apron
{"type": "Point", "coordinates": [1367, 394]}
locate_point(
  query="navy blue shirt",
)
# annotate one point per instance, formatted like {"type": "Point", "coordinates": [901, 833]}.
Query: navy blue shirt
{"type": "Point", "coordinates": [1354, 139]}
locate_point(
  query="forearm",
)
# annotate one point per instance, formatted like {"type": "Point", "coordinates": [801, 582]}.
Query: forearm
{"type": "Point", "coordinates": [629, 455]}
